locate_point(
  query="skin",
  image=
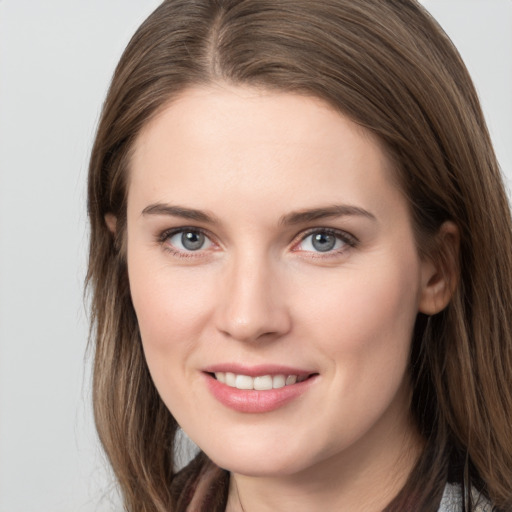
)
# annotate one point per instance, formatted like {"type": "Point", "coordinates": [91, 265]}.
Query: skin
{"type": "Point", "coordinates": [259, 292]}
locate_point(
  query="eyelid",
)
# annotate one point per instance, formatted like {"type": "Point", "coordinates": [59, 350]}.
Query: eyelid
{"type": "Point", "coordinates": [346, 237]}
{"type": "Point", "coordinates": [165, 235]}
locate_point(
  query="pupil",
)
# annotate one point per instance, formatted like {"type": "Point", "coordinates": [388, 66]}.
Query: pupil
{"type": "Point", "coordinates": [192, 241]}
{"type": "Point", "coordinates": [324, 242]}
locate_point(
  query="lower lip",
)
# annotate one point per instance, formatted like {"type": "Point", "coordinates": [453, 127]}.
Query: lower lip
{"type": "Point", "coordinates": [252, 401]}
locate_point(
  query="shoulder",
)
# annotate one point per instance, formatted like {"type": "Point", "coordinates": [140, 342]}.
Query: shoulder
{"type": "Point", "coordinates": [452, 500]}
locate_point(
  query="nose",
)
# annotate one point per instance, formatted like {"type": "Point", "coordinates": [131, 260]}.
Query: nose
{"type": "Point", "coordinates": [252, 305]}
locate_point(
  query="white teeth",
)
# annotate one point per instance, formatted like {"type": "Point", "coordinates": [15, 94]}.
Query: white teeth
{"type": "Point", "coordinates": [263, 383]}
{"type": "Point", "coordinates": [278, 381]}
{"type": "Point", "coordinates": [260, 383]}
{"type": "Point", "coordinates": [291, 379]}
{"type": "Point", "coordinates": [244, 382]}
{"type": "Point", "coordinates": [230, 379]}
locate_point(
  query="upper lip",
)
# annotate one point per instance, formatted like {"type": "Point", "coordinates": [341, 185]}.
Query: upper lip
{"type": "Point", "coordinates": [257, 370]}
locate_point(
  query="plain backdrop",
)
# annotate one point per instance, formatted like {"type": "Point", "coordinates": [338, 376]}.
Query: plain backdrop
{"type": "Point", "coordinates": [56, 60]}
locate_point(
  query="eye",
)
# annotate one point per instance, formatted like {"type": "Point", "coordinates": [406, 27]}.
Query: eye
{"type": "Point", "coordinates": [188, 240]}
{"type": "Point", "coordinates": [324, 241]}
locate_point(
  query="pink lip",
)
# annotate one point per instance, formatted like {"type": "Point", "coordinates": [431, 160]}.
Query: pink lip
{"type": "Point", "coordinates": [252, 401]}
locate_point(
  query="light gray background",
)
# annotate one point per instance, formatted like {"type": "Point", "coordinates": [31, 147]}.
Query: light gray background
{"type": "Point", "coordinates": [56, 59]}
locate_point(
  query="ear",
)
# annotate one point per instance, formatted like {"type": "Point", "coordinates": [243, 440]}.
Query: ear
{"type": "Point", "coordinates": [440, 271]}
{"type": "Point", "coordinates": [111, 222]}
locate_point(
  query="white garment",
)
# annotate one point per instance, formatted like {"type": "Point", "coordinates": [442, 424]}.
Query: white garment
{"type": "Point", "coordinates": [452, 500]}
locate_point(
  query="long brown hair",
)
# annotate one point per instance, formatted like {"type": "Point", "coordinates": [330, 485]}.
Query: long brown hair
{"type": "Point", "coordinates": [389, 67]}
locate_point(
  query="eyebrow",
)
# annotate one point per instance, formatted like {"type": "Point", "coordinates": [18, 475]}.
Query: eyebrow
{"type": "Point", "coordinates": [314, 214]}
{"type": "Point", "coordinates": [299, 217]}
{"type": "Point", "coordinates": [179, 211]}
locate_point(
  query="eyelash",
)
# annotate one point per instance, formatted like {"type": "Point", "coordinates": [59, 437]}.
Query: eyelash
{"type": "Point", "coordinates": [166, 235]}
{"type": "Point", "coordinates": [348, 240]}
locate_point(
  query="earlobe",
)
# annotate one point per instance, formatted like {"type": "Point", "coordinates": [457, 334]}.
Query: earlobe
{"type": "Point", "coordinates": [440, 273]}
{"type": "Point", "coordinates": [111, 222]}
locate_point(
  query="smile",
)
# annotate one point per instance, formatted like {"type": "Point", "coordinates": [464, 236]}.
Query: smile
{"type": "Point", "coordinates": [259, 383]}
{"type": "Point", "coordinates": [265, 389]}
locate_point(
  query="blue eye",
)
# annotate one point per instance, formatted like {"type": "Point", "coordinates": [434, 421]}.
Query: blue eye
{"type": "Point", "coordinates": [324, 241]}
{"type": "Point", "coordinates": [189, 240]}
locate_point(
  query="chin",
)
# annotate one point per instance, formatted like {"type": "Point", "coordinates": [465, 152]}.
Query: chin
{"type": "Point", "coordinates": [260, 459]}
{"type": "Point", "coordinates": [269, 467]}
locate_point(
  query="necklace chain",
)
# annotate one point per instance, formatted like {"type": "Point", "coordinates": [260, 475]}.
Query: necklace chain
{"type": "Point", "coordinates": [238, 495]}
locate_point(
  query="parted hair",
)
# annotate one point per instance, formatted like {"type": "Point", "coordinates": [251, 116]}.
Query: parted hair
{"type": "Point", "coordinates": [388, 66]}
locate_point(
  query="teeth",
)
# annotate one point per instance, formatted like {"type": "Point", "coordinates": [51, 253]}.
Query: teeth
{"type": "Point", "coordinates": [278, 381]}
{"type": "Point", "coordinates": [260, 383]}
{"type": "Point", "coordinates": [291, 379]}
{"type": "Point", "coordinates": [263, 383]}
{"type": "Point", "coordinates": [244, 382]}
{"type": "Point", "coordinates": [231, 379]}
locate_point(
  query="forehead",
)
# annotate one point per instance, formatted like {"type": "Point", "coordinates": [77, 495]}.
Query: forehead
{"type": "Point", "coordinates": [255, 143]}
{"type": "Point", "coordinates": [244, 109]}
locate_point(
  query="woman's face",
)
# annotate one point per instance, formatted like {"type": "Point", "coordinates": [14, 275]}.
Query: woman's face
{"type": "Point", "coordinates": [269, 246]}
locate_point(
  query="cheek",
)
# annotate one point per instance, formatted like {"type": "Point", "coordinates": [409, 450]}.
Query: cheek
{"type": "Point", "coordinates": [363, 325]}
{"type": "Point", "coordinates": [365, 320]}
{"type": "Point", "coordinates": [172, 309]}
{"type": "Point", "coordinates": [172, 312]}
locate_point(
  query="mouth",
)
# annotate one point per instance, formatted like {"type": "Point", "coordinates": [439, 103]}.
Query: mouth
{"type": "Point", "coordinates": [258, 389]}
{"type": "Point", "coordinates": [259, 382]}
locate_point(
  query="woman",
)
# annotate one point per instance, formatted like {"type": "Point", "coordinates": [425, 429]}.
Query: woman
{"type": "Point", "coordinates": [300, 253]}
